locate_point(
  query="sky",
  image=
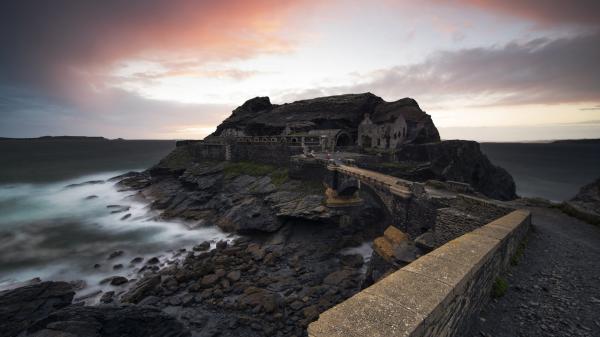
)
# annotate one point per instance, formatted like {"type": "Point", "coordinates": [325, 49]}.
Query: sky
{"type": "Point", "coordinates": [487, 70]}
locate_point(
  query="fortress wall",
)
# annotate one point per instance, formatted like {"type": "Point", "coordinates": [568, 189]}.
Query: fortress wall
{"type": "Point", "coordinates": [436, 295]}
{"type": "Point", "coordinates": [208, 151]}
{"type": "Point", "coordinates": [277, 154]}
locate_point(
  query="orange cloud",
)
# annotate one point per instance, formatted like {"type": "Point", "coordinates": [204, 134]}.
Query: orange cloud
{"type": "Point", "coordinates": [47, 43]}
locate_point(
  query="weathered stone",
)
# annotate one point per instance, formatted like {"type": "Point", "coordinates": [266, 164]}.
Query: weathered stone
{"type": "Point", "coordinates": [234, 275]}
{"type": "Point", "coordinates": [108, 321]}
{"type": "Point", "coordinates": [337, 277]}
{"type": "Point", "coordinates": [394, 235]}
{"type": "Point", "coordinates": [141, 289]}
{"type": "Point", "coordinates": [118, 280]}
{"type": "Point", "coordinates": [21, 307]}
{"type": "Point", "coordinates": [209, 280]}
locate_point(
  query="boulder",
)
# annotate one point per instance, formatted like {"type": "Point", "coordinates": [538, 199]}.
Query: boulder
{"type": "Point", "coordinates": [266, 300]}
{"type": "Point", "coordinates": [21, 307]}
{"type": "Point", "coordinates": [586, 204]}
{"type": "Point", "coordinates": [141, 289]}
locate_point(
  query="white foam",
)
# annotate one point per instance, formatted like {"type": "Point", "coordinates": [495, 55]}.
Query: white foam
{"type": "Point", "coordinates": [53, 232]}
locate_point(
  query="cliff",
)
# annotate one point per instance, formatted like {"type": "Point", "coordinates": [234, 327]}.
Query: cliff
{"type": "Point", "coordinates": [257, 116]}
{"type": "Point", "coordinates": [456, 160]}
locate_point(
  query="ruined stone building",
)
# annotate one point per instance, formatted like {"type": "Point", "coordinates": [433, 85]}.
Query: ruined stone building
{"type": "Point", "coordinates": [343, 122]}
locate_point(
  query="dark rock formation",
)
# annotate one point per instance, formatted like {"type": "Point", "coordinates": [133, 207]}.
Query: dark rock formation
{"type": "Point", "coordinates": [78, 321]}
{"type": "Point", "coordinates": [586, 204]}
{"type": "Point", "coordinates": [21, 307]}
{"type": "Point", "coordinates": [457, 160]}
{"type": "Point", "coordinates": [258, 116]}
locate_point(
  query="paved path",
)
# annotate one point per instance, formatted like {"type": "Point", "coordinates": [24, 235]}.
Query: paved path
{"type": "Point", "coordinates": [555, 288]}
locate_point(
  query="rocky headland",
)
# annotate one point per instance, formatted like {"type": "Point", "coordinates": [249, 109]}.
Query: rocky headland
{"type": "Point", "coordinates": [291, 256]}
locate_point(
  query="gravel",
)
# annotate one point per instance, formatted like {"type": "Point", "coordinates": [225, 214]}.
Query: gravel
{"type": "Point", "coordinates": [554, 290]}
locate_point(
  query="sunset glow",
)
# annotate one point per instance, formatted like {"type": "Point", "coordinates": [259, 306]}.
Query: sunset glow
{"type": "Point", "coordinates": [175, 69]}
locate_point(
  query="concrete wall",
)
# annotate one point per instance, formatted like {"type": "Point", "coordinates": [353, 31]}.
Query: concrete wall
{"type": "Point", "coordinates": [436, 295]}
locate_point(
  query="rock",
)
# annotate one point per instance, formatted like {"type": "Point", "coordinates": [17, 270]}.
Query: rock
{"type": "Point", "coordinates": [209, 280]}
{"type": "Point", "coordinates": [141, 289]}
{"type": "Point", "coordinates": [115, 254]}
{"type": "Point", "coordinates": [107, 297]}
{"type": "Point", "coordinates": [97, 265]}
{"type": "Point", "coordinates": [21, 307]}
{"type": "Point", "coordinates": [338, 277]}
{"type": "Point", "coordinates": [457, 160]}
{"type": "Point", "coordinates": [202, 247]}
{"type": "Point", "coordinates": [153, 260]}
{"type": "Point", "coordinates": [383, 248]}
{"type": "Point", "coordinates": [426, 241]}
{"type": "Point", "coordinates": [258, 116]}
{"type": "Point", "coordinates": [136, 260]}
{"type": "Point", "coordinates": [586, 204]}
{"type": "Point", "coordinates": [256, 251]}
{"type": "Point", "coordinates": [91, 182]}
{"type": "Point", "coordinates": [221, 244]}
{"type": "Point", "coordinates": [90, 197]}
{"type": "Point", "coordinates": [394, 235]}
{"type": "Point", "coordinates": [234, 275]}
{"type": "Point", "coordinates": [118, 266]}
{"type": "Point", "coordinates": [247, 215]}
{"type": "Point", "coordinates": [263, 298]}
{"type": "Point", "coordinates": [311, 313]}
{"type": "Point", "coordinates": [107, 321]}
{"type": "Point", "coordinates": [118, 280]}
{"type": "Point", "coordinates": [126, 216]}
{"type": "Point", "coordinates": [352, 260]}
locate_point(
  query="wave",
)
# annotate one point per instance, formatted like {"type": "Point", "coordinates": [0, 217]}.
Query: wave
{"type": "Point", "coordinates": [67, 230]}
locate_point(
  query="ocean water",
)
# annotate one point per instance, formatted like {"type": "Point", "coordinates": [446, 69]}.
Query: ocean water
{"type": "Point", "coordinates": [59, 229]}
{"type": "Point", "coordinates": [555, 171]}
{"type": "Point", "coordinates": [56, 232]}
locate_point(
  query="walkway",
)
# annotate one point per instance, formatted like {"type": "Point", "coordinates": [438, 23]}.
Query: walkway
{"type": "Point", "coordinates": [555, 288]}
{"type": "Point", "coordinates": [395, 185]}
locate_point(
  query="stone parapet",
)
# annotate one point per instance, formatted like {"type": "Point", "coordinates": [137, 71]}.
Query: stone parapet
{"type": "Point", "coordinates": [436, 295]}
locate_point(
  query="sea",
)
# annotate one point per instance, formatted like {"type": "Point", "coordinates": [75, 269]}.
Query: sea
{"type": "Point", "coordinates": [61, 217]}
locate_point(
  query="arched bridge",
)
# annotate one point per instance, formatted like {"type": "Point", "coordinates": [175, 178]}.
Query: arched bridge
{"type": "Point", "coordinates": [406, 202]}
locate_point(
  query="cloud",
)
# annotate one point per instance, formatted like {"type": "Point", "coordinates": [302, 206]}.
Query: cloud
{"type": "Point", "coordinates": [57, 60]}
{"type": "Point", "coordinates": [110, 113]}
{"type": "Point", "coordinates": [47, 43]}
{"type": "Point", "coordinates": [541, 71]}
{"type": "Point", "coordinates": [543, 12]}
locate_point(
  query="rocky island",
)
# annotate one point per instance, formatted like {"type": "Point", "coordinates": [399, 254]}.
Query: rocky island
{"type": "Point", "coordinates": [306, 189]}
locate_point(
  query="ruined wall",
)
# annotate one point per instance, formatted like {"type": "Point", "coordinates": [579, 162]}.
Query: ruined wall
{"type": "Point", "coordinates": [438, 294]}
{"type": "Point", "coordinates": [270, 153]}
{"type": "Point", "coordinates": [204, 151]}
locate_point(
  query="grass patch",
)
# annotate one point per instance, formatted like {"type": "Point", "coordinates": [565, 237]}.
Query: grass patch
{"type": "Point", "coordinates": [278, 175]}
{"type": "Point", "coordinates": [514, 260]}
{"type": "Point", "coordinates": [179, 158]}
{"type": "Point", "coordinates": [499, 287]}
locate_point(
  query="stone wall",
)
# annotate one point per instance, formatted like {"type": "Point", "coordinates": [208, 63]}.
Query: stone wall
{"type": "Point", "coordinates": [436, 295]}
{"type": "Point", "coordinates": [269, 153]}
{"type": "Point", "coordinates": [205, 151]}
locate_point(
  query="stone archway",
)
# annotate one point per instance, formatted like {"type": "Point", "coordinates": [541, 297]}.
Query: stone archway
{"type": "Point", "coordinates": [343, 140]}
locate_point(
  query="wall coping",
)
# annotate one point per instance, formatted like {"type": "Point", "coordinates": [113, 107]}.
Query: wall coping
{"type": "Point", "coordinates": [409, 301]}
